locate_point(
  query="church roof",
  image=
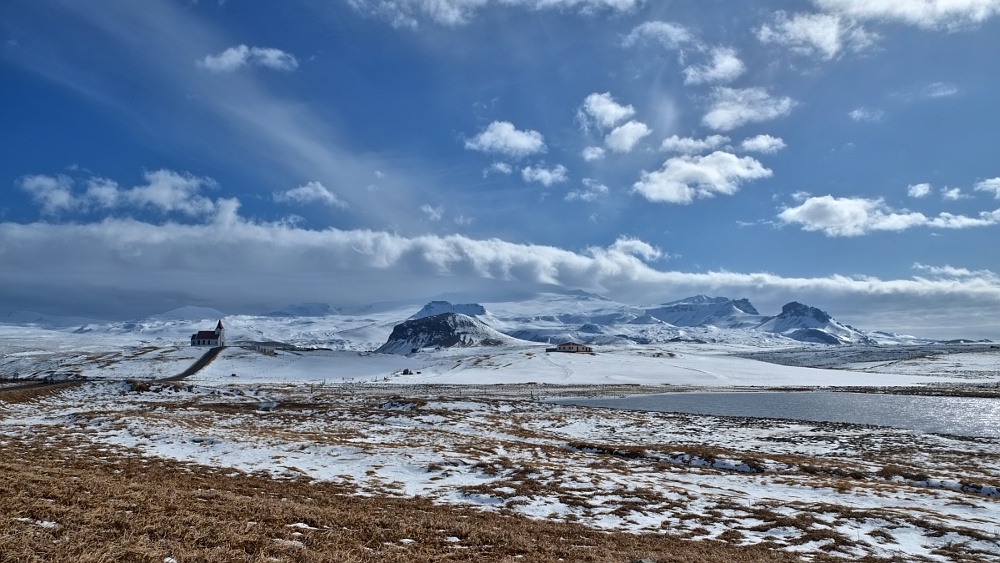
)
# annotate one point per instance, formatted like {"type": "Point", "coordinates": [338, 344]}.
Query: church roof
{"type": "Point", "coordinates": [205, 335]}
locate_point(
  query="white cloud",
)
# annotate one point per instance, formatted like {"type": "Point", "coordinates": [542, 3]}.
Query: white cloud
{"type": "Point", "coordinates": [433, 213]}
{"type": "Point", "coordinates": [53, 193]}
{"type": "Point", "coordinates": [939, 90]}
{"type": "Point", "coordinates": [603, 110]}
{"type": "Point", "coordinates": [688, 145]}
{"type": "Point", "coordinates": [922, 13]}
{"type": "Point", "coordinates": [918, 190]}
{"type": "Point", "coordinates": [408, 13]}
{"type": "Point", "coordinates": [684, 178]}
{"type": "Point", "coordinates": [592, 153]}
{"type": "Point", "coordinates": [725, 66]}
{"type": "Point", "coordinates": [763, 143]}
{"type": "Point", "coordinates": [249, 263]}
{"type": "Point", "coordinates": [311, 192]}
{"type": "Point", "coordinates": [625, 137]}
{"type": "Point", "coordinates": [849, 217]}
{"type": "Point", "coordinates": [235, 58]}
{"type": "Point", "coordinates": [592, 189]}
{"type": "Point", "coordinates": [545, 176]}
{"type": "Point", "coordinates": [501, 137]}
{"type": "Point", "coordinates": [498, 168]}
{"type": "Point", "coordinates": [866, 114]}
{"type": "Point", "coordinates": [165, 191]}
{"type": "Point", "coordinates": [825, 35]}
{"type": "Point", "coordinates": [952, 194]}
{"type": "Point", "coordinates": [667, 34]}
{"type": "Point", "coordinates": [991, 185]}
{"type": "Point", "coordinates": [463, 220]}
{"type": "Point", "coordinates": [732, 108]}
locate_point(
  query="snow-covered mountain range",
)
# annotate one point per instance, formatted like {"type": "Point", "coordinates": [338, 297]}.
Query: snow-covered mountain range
{"type": "Point", "coordinates": [549, 318]}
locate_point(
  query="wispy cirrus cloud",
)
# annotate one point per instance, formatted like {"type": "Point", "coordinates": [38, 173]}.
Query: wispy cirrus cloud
{"type": "Point", "coordinates": [866, 114]}
{"type": "Point", "coordinates": [409, 13]}
{"type": "Point", "coordinates": [235, 58]}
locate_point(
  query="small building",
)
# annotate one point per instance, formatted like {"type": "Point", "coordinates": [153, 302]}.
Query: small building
{"type": "Point", "coordinates": [211, 338]}
{"type": "Point", "coordinates": [572, 347]}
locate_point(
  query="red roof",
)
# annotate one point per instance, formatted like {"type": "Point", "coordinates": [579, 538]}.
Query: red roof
{"type": "Point", "coordinates": [205, 335]}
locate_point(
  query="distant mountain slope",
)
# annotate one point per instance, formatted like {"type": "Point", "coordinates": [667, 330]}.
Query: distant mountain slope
{"type": "Point", "coordinates": [189, 313]}
{"type": "Point", "coordinates": [305, 310]}
{"type": "Point", "coordinates": [702, 310]}
{"type": "Point", "coordinates": [31, 318]}
{"type": "Point", "coordinates": [809, 324]}
{"type": "Point", "coordinates": [442, 331]}
{"type": "Point", "coordinates": [439, 307]}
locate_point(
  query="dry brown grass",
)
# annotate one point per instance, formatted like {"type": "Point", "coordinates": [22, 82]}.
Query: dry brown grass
{"type": "Point", "coordinates": [116, 507]}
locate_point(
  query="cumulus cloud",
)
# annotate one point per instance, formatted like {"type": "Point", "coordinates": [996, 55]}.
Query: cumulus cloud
{"type": "Point", "coordinates": [849, 217]}
{"type": "Point", "coordinates": [498, 168]}
{"type": "Point", "coordinates": [823, 35]}
{"type": "Point", "coordinates": [54, 194]}
{"type": "Point", "coordinates": [918, 190]}
{"type": "Point", "coordinates": [732, 107]}
{"type": "Point", "coordinates": [866, 114]}
{"type": "Point", "coordinates": [310, 193]}
{"type": "Point", "coordinates": [684, 178]}
{"type": "Point", "coordinates": [592, 189]}
{"type": "Point", "coordinates": [603, 111]}
{"type": "Point", "coordinates": [235, 58]}
{"type": "Point", "coordinates": [991, 185]}
{"type": "Point", "coordinates": [725, 66]}
{"type": "Point", "coordinates": [625, 137]}
{"type": "Point", "coordinates": [689, 145]}
{"type": "Point", "coordinates": [952, 194]}
{"type": "Point", "coordinates": [433, 213]}
{"type": "Point", "coordinates": [922, 13]}
{"type": "Point", "coordinates": [165, 191]}
{"type": "Point", "coordinates": [763, 143]}
{"type": "Point", "coordinates": [501, 137]}
{"type": "Point", "coordinates": [591, 154]}
{"type": "Point", "coordinates": [545, 176]}
{"type": "Point", "coordinates": [666, 34]}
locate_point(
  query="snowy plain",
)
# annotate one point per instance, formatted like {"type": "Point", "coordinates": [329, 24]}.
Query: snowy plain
{"type": "Point", "coordinates": [466, 426]}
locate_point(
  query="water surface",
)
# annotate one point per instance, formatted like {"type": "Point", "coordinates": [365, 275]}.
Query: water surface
{"type": "Point", "coordinates": [963, 416]}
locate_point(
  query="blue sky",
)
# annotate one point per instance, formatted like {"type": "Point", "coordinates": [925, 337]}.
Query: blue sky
{"type": "Point", "coordinates": [245, 155]}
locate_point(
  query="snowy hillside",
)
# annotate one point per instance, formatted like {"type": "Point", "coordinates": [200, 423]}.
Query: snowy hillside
{"type": "Point", "coordinates": [809, 324]}
{"type": "Point", "coordinates": [440, 307]}
{"type": "Point", "coordinates": [702, 310]}
{"type": "Point", "coordinates": [446, 330]}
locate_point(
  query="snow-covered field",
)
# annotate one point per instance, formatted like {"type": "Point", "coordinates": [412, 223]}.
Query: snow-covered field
{"type": "Point", "coordinates": [465, 426]}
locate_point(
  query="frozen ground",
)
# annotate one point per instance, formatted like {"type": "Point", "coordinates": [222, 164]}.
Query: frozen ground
{"type": "Point", "coordinates": [465, 426]}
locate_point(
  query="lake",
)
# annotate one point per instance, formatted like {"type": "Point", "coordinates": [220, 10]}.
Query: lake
{"type": "Point", "coordinates": [962, 416]}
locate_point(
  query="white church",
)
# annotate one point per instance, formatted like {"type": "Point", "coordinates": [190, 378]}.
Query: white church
{"type": "Point", "coordinates": [211, 338]}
